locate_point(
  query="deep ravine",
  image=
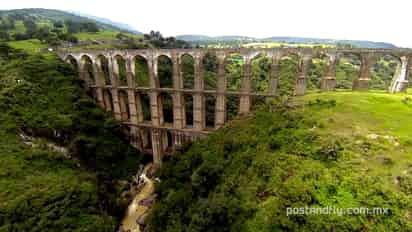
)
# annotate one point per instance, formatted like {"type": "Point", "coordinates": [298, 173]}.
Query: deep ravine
{"type": "Point", "coordinates": [138, 209]}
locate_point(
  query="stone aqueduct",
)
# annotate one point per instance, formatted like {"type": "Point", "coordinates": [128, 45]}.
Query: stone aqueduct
{"type": "Point", "coordinates": [158, 137]}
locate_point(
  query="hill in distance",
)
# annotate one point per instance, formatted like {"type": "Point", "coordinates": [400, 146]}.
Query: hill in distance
{"type": "Point", "coordinates": [122, 26]}
{"type": "Point", "coordinates": [58, 15]}
{"type": "Point", "coordinates": [36, 29]}
{"type": "Point", "coordinates": [292, 40]}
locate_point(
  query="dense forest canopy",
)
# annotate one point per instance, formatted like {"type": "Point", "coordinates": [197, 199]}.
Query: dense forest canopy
{"type": "Point", "coordinates": [77, 187]}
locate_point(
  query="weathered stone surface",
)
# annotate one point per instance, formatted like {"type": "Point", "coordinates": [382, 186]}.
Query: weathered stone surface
{"type": "Point", "coordinates": [126, 105]}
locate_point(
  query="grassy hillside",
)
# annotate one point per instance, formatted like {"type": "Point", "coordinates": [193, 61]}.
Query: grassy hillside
{"type": "Point", "coordinates": [64, 165]}
{"type": "Point", "coordinates": [122, 26]}
{"type": "Point", "coordinates": [40, 28]}
{"type": "Point", "coordinates": [343, 149]}
{"type": "Point", "coordinates": [37, 29]}
{"type": "Point", "coordinates": [48, 16]}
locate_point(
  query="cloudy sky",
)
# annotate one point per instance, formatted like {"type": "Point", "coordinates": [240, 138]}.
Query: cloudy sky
{"type": "Point", "coordinates": [376, 20]}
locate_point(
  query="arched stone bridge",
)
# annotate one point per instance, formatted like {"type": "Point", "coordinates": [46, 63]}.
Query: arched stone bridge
{"type": "Point", "coordinates": [158, 137]}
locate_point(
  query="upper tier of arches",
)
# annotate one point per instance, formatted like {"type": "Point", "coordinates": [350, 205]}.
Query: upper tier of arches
{"type": "Point", "coordinates": [202, 69]}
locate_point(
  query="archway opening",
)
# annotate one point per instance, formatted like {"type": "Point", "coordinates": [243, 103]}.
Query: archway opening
{"type": "Point", "coordinates": [88, 74]}
{"type": "Point", "coordinates": [72, 61]}
{"type": "Point", "coordinates": [347, 70]}
{"type": "Point", "coordinates": [167, 107]}
{"type": "Point", "coordinates": [260, 73]}
{"type": "Point", "coordinates": [169, 140]}
{"type": "Point", "coordinates": [317, 71]}
{"type": "Point", "coordinates": [165, 71]}
{"type": "Point", "coordinates": [141, 70]}
{"type": "Point", "coordinates": [188, 71]}
{"type": "Point", "coordinates": [188, 100]}
{"type": "Point", "coordinates": [146, 136]}
{"type": "Point", "coordinates": [257, 101]}
{"type": "Point", "coordinates": [145, 102]}
{"type": "Point", "coordinates": [124, 105]}
{"type": "Point", "coordinates": [121, 70]}
{"type": "Point", "coordinates": [210, 109]}
{"type": "Point", "coordinates": [234, 71]}
{"type": "Point", "coordinates": [210, 70]}
{"type": "Point", "coordinates": [104, 66]}
{"type": "Point", "coordinates": [383, 71]}
{"type": "Point", "coordinates": [289, 66]}
{"type": "Point", "coordinates": [232, 106]}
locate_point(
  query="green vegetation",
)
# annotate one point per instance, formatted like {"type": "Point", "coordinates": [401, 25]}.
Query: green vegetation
{"type": "Point", "coordinates": [64, 163]}
{"type": "Point", "coordinates": [109, 35]}
{"type": "Point", "coordinates": [332, 149]}
{"type": "Point", "coordinates": [346, 71]}
{"type": "Point", "coordinates": [30, 45]}
{"type": "Point", "coordinates": [287, 74]}
{"type": "Point", "coordinates": [21, 25]}
{"type": "Point", "coordinates": [284, 44]}
{"type": "Point", "coordinates": [53, 28]}
{"type": "Point", "coordinates": [383, 71]}
{"type": "Point", "coordinates": [242, 41]}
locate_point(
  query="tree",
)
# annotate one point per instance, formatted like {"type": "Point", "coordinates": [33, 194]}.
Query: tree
{"type": "Point", "coordinates": [72, 27]}
{"type": "Point", "coordinates": [4, 36]}
{"type": "Point", "coordinates": [30, 26]}
{"type": "Point", "coordinates": [20, 36]}
{"type": "Point", "coordinates": [89, 27]}
{"type": "Point", "coordinates": [68, 37]}
{"type": "Point", "coordinates": [6, 23]}
{"type": "Point", "coordinates": [58, 24]}
{"type": "Point", "coordinates": [43, 34]}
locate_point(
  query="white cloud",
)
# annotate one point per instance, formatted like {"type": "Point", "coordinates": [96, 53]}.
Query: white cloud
{"type": "Point", "coordinates": [376, 20]}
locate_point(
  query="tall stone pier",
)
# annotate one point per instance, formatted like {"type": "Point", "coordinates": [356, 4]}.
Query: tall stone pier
{"type": "Point", "coordinates": [119, 91]}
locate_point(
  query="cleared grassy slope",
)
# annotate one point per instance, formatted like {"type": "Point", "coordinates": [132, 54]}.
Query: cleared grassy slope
{"type": "Point", "coordinates": [31, 45]}
{"type": "Point", "coordinates": [385, 121]}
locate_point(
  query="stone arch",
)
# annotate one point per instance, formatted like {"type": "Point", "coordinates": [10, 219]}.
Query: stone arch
{"type": "Point", "coordinates": [260, 73]}
{"type": "Point", "coordinates": [141, 71]}
{"type": "Point", "coordinates": [384, 70]}
{"type": "Point", "coordinates": [234, 63]}
{"type": "Point", "coordinates": [87, 70]}
{"type": "Point", "coordinates": [166, 103]}
{"type": "Point", "coordinates": [72, 61]}
{"type": "Point", "coordinates": [119, 68]}
{"type": "Point", "coordinates": [318, 68]}
{"type": "Point", "coordinates": [210, 65]}
{"type": "Point", "coordinates": [347, 70]}
{"type": "Point", "coordinates": [124, 105]}
{"type": "Point", "coordinates": [288, 72]}
{"type": "Point", "coordinates": [188, 104]}
{"type": "Point", "coordinates": [187, 64]}
{"type": "Point", "coordinates": [165, 71]}
{"type": "Point", "coordinates": [103, 64]}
